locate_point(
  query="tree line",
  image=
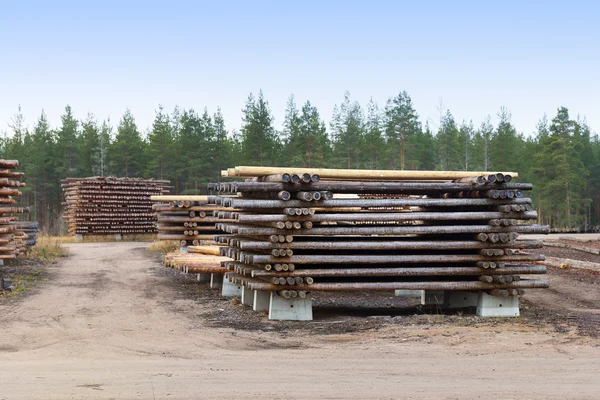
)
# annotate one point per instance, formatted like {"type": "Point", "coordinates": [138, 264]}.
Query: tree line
{"type": "Point", "coordinates": [188, 148]}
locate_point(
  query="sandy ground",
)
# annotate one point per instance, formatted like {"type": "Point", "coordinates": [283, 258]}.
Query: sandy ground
{"type": "Point", "coordinates": [107, 325]}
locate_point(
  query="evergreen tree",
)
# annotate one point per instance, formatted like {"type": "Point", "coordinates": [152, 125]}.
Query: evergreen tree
{"type": "Point", "coordinates": [402, 128]}
{"type": "Point", "coordinates": [348, 128]}
{"type": "Point", "coordinates": [223, 145]}
{"type": "Point", "coordinates": [481, 145]}
{"type": "Point", "coordinates": [105, 142]}
{"type": "Point", "coordinates": [160, 145]}
{"type": "Point", "coordinates": [291, 131]}
{"type": "Point", "coordinates": [505, 146]}
{"type": "Point", "coordinates": [561, 173]}
{"type": "Point", "coordinates": [127, 152]}
{"type": "Point", "coordinates": [449, 144]}
{"type": "Point", "coordinates": [259, 141]}
{"type": "Point", "coordinates": [67, 145]}
{"type": "Point", "coordinates": [90, 147]}
{"type": "Point", "coordinates": [375, 145]}
{"type": "Point", "coordinates": [312, 143]}
{"type": "Point", "coordinates": [466, 134]}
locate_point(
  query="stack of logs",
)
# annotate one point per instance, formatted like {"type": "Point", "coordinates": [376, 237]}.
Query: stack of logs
{"type": "Point", "coordinates": [357, 230]}
{"type": "Point", "coordinates": [190, 221]}
{"type": "Point", "coordinates": [12, 240]}
{"type": "Point", "coordinates": [187, 219]}
{"type": "Point", "coordinates": [30, 228]}
{"type": "Point", "coordinates": [109, 205]}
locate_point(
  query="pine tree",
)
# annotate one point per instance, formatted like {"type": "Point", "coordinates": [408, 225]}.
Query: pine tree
{"type": "Point", "coordinates": [90, 147]}
{"type": "Point", "coordinates": [223, 145]}
{"type": "Point", "coordinates": [188, 152]}
{"type": "Point", "coordinates": [561, 172]}
{"type": "Point", "coordinates": [466, 133]}
{"type": "Point", "coordinates": [375, 145]}
{"type": "Point", "coordinates": [312, 143]}
{"type": "Point", "coordinates": [259, 140]}
{"type": "Point", "coordinates": [67, 145]}
{"type": "Point", "coordinates": [105, 143]}
{"type": "Point", "coordinates": [481, 145]}
{"type": "Point", "coordinates": [348, 130]}
{"type": "Point", "coordinates": [506, 145]}
{"type": "Point", "coordinates": [448, 143]}
{"type": "Point", "coordinates": [127, 152]}
{"type": "Point", "coordinates": [401, 129]}
{"type": "Point", "coordinates": [291, 131]}
{"type": "Point", "coordinates": [160, 145]}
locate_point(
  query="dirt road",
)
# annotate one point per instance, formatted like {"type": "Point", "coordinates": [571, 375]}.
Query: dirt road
{"type": "Point", "coordinates": [107, 325]}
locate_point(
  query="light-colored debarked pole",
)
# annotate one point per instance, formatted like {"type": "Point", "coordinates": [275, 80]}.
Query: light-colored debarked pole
{"type": "Point", "coordinates": [178, 198]}
{"type": "Point", "coordinates": [341, 174]}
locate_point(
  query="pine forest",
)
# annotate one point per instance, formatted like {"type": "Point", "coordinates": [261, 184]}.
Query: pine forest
{"type": "Point", "coordinates": [561, 156]}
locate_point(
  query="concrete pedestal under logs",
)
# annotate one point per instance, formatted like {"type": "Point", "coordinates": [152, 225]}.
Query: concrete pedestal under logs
{"type": "Point", "coordinates": [487, 305]}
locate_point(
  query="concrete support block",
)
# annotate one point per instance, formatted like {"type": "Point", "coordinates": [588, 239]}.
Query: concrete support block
{"type": "Point", "coordinates": [183, 249]}
{"type": "Point", "coordinates": [1, 261]}
{"type": "Point", "coordinates": [461, 299]}
{"type": "Point", "coordinates": [216, 281]}
{"type": "Point", "coordinates": [496, 306]}
{"type": "Point", "coordinates": [408, 293]}
{"type": "Point", "coordinates": [432, 297]}
{"type": "Point", "coordinates": [78, 237]}
{"type": "Point", "coordinates": [262, 298]}
{"type": "Point", "coordinates": [230, 289]}
{"type": "Point", "coordinates": [203, 278]}
{"type": "Point", "coordinates": [247, 296]}
{"type": "Point", "coordinates": [118, 237]}
{"type": "Point", "coordinates": [294, 309]}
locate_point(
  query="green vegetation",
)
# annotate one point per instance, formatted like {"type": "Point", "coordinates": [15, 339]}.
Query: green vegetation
{"type": "Point", "coordinates": [562, 159]}
{"type": "Point", "coordinates": [47, 249]}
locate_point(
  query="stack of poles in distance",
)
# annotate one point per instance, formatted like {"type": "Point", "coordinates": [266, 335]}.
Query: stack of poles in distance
{"type": "Point", "coordinates": [12, 240]}
{"type": "Point", "coordinates": [110, 205]}
{"type": "Point", "coordinates": [189, 220]}
{"type": "Point", "coordinates": [30, 228]}
{"type": "Point", "coordinates": [359, 230]}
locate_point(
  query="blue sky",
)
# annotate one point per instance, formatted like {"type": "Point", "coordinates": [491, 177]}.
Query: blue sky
{"type": "Point", "coordinates": [470, 57]}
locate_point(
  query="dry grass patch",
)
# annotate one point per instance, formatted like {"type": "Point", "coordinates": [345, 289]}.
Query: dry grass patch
{"type": "Point", "coordinates": [163, 246]}
{"type": "Point", "coordinates": [47, 249]}
{"type": "Point", "coordinates": [109, 238]}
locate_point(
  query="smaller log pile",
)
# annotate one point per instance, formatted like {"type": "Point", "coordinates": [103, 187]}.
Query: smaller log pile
{"type": "Point", "coordinates": [12, 242]}
{"type": "Point", "coordinates": [198, 260]}
{"type": "Point", "coordinates": [190, 220]}
{"type": "Point", "coordinates": [30, 229]}
{"type": "Point", "coordinates": [187, 219]}
{"type": "Point", "coordinates": [110, 205]}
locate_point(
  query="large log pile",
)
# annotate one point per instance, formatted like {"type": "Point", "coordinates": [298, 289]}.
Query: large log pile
{"type": "Point", "coordinates": [110, 205]}
{"type": "Point", "coordinates": [356, 230]}
{"type": "Point", "coordinates": [12, 241]}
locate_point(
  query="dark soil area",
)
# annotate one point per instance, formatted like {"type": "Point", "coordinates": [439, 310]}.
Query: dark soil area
{"type": "Point", "coordinates": [337, 313]}
{"type": "Point", "coordinates": [24, 276]}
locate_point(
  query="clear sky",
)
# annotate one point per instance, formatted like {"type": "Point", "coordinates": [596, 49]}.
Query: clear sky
{"type": "Point", "coordinates": [471, 56]}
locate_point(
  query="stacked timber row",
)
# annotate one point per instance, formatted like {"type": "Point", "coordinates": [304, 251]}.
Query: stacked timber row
{"type": "Point", "coordinates": [12, 241]}
{"type": "Point", "coordinates": [187, 219]}
{"type": "Point", "coordinates": [109, 205]}
{"type": "Point", "coordinates": [202, 260]}
{"type": "Point", "coordinates": [297, 231]}
{"type": "Point", "coordinates": [30, 229]}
